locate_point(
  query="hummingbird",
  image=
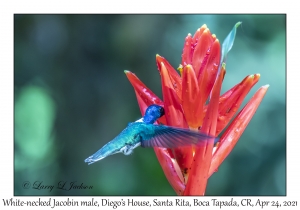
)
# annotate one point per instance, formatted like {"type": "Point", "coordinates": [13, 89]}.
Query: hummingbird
{"type": "Point", "coordinates": [145, 133]}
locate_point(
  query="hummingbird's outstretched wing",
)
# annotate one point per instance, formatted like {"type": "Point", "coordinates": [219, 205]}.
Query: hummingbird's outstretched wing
{"type": "Point", "coordinates": [171, 137]}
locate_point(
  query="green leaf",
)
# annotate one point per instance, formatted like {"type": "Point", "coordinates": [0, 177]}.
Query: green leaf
{"type": "Point", "coordinates": [228, 43]}
{"type": "Point", "coordinates": [34, 120]}
{"type": "Point", "coordinates": [226, 47]}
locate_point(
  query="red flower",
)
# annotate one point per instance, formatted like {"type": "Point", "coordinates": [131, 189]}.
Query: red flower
{"type": "Point", "coordinates": [184, 99]}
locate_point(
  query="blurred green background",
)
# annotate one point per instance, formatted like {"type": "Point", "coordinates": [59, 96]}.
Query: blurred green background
{"type": "Point", "coordinates": [72, 96]}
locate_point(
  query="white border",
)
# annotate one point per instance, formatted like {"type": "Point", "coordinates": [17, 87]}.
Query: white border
{"type": "Point", "coordinates": [8, 8]}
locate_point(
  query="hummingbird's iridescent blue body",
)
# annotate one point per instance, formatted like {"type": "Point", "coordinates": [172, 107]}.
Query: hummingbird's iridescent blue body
{"type": "Point", "coordinates": [144, 133]}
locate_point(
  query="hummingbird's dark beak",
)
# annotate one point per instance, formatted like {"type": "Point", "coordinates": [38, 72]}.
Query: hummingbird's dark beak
{"type": "Point", "coordinates": [162, 112]}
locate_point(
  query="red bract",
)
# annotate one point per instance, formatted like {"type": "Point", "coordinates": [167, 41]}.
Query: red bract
{"type": "Point", "coordinates": [184, 100]}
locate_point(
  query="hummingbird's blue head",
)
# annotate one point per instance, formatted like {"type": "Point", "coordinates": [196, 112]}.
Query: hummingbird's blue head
{"type": "Point", "coordinates": [152, 113]}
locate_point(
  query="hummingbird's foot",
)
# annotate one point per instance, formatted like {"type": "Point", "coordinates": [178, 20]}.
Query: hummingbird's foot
{"type": "Point", "coordinates": [128, 149]}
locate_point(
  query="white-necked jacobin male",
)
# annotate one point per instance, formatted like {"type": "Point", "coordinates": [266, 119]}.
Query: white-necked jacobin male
{"type": "Point", "coordinates": [143, 132]}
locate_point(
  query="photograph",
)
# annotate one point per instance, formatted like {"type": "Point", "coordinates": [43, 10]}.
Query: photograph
{"type": "Point", "coordinates": [149, 105]}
